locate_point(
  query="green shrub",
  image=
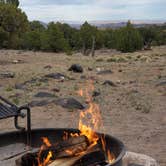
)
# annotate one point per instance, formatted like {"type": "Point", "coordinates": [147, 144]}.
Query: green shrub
{"type": "Point", "coordinates": [16, 101]}
{"type": "Point", "coordinates": [128, 39]}
{"type": "Point", "coordinates": [32, 40]}
{"type": "Point", "coordinates": [9, 89]}
{"type": "Point", "coordinates": [111, 60]}
{"type": "Point", "coordinates": [99, 60]}
{"type": "Point", "coordinates": [13, 23]}
{"type": "Point", "coordinates": [69, 52]}
{"type": "Point", "coordinates": [3, 37]}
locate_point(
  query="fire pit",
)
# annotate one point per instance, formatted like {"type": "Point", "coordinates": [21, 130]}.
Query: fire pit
{"type": "Point", "coordinates": [64, 147]}
{"type": "Point", "coordinates": [15, 139]}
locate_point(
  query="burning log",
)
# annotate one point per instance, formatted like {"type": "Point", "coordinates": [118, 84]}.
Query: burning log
{"type": "Point", "coordinates": [72, 160]}
{"type": "Point", "coordinates": [67, 148]}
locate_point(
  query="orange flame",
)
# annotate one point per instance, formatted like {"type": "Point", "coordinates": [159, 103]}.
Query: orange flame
{"type": "Point", "coordinates": [47, 160]}
{"type": "Point", "coordinates": [46, 141]}
{"type": "Point", "coordinates": [90, 121]}
{"type": "Point", "coordinates": [70, 152]}
{"type": "Point", "coordinates": [74, 134]}
{"type": "Point", "coordinates": [65, 135]}
{"type": "Point", "coordinates": [110, 157]}
{"type": "Point", "coordinates": [80, 92]}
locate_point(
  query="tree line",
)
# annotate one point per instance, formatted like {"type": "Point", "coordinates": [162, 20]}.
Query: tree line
{"type": "Point", "coordinates": [16, 32]}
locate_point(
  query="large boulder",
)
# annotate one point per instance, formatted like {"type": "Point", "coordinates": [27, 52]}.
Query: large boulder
{"type": "Point", "coordinates": [104, 72]}
{"type": "Point", "coordinates": [69, 103]}
{"type": "Point", "coordinates": [76, 68]}
{"type": "Point", "coordinates": [57, 76]}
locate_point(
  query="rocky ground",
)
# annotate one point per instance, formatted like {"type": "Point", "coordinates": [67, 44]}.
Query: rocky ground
{"type": "Point", "coordinates": [132, 100]}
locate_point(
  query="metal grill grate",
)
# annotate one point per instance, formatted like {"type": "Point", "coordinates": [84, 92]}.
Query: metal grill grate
{"type": "Point", "coordinates": [8, 109]}
{"type": "Point", "coordinates": [7, 112]}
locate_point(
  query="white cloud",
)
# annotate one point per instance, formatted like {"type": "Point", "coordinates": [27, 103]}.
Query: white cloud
{"type": "Point", "coordinates": [53, 10]}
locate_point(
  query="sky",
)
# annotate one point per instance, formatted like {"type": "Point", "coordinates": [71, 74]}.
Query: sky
{"type": "Point", "coordinates": [94, 10]}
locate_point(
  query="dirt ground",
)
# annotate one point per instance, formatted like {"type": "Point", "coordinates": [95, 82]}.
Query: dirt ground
{"type": "Point", "coordinates": [134, 110]}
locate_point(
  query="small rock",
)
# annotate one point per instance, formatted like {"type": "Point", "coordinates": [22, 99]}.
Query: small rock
{"type": "Point", "coordinates": [56, 90]}
{"type": "Point", "coordinates": [7, 75]}
{"type": "Point", "coordinates": [96, 93]}
{"type": "Point", "coordinates": [118, 81]}
{"type": "Point", "coordinates": [19, 86]}
{"type": "Point", "coordinates": [103, 72]}
{"type": "Point", "coordinates": [123, 83]}
{"type": "Point", "coordinates": [55, 76]}
{"type": "Point", "coordinates": [163, 83]}
{"type": "Point", "coordinates": [48, 67]}
{"type": "Point", "coordinates": [90, 69]}
{"type": "Point", "coordinates": [76, 68]}
{"type": "Point", "coordinates": [120, 70]}
{"type": "Point", "coordinates": [16, 61]}
{"type": "Point", "coordinates": [132, 82]}
{"type": "Point", "coordinates": [44, 94]}
{"type": "Point", "coordinates": [69, 103]}
{"type": "Point", "coordinates": [108, 82]}
{"type": "Point", "coordinates": [98, 69]}
{"type": "Point", "coordinates": [83, 77]}
{"type": "Point", "coordinates": [161, 69]}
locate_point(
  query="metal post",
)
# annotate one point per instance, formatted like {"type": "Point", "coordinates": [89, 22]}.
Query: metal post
{"type": "Point", "coordinates": [28, 126]}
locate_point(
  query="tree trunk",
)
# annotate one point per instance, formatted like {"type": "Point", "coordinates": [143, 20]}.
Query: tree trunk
{"type": "Point", "coordinates": [13, 40]}
{"type": "Point", "coordinates": [93, 46]}
{"type": "Point", "coordinates": [84, 49]}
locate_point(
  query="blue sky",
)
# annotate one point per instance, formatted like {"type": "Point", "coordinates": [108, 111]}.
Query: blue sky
{"type": "Point", "coordinates": [90, 10]}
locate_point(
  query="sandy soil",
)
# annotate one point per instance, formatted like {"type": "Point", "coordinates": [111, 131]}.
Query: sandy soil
{"type": "Point", "coordinates": [134, 110]}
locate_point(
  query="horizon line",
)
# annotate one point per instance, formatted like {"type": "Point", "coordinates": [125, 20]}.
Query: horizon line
{"type": "Point", "coordinates": [135, 21]}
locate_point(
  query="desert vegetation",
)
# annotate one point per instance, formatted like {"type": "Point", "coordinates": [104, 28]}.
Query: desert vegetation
{"type": "Point", "coordinates": [130, 89]}
{"type": "Point", "coordinates": [16, 32]}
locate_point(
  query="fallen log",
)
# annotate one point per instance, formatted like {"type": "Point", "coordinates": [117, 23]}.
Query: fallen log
{"type": "Point", "coordinates": [63, 149]}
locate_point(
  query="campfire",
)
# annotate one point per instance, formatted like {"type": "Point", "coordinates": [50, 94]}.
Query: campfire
{"type": "Point", "coordinates": [75, 147]}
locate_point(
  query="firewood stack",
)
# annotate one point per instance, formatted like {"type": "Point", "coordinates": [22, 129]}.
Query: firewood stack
{"type": "Point", "coordinates": [65, 153]}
